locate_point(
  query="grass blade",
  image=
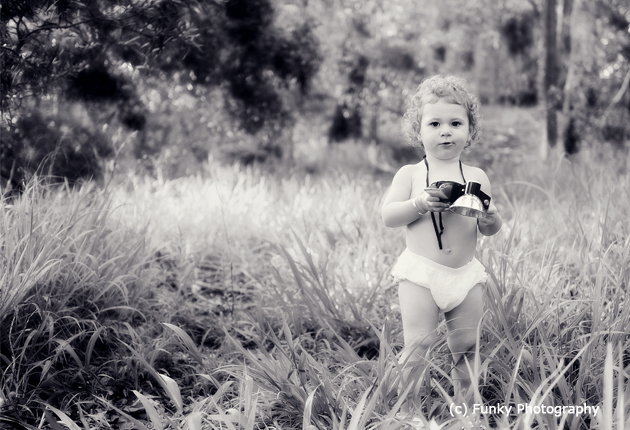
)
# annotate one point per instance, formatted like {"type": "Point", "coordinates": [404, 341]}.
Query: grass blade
{"type": "Point", "coordinates": [194, 421]}
{"type": "Point", "coordinates": [187, 341]}
{"type": "Point", "coordinates": [150, 409]}
{"type": "Point", "coordinates": [169, 385]}
{"type": "Point", "coordinates": [139, 425]}
{"type": "Point", "coordinates": [63, 417]}
{"type": "Point", "coordinates": [173, 391]}
{"type": "Point", "coordinates": [608, 388]}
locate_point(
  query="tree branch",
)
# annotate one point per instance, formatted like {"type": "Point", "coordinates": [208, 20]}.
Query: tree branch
{"type": "Point", "coordinates": [535, 7]}
{"type": "Point", "coordinates": [617, 98]}
{"type": "Point", "coordinates": [622, 90]}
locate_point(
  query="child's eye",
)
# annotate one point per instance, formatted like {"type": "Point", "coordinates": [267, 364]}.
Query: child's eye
{"type": "Point", "coordinates": [434, 124]}
{"type": "Point", "coordinates": [456, 123]}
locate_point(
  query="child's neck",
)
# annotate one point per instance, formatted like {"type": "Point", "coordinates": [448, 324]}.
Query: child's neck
{"type": "Point", "coordinates": [443, 164]}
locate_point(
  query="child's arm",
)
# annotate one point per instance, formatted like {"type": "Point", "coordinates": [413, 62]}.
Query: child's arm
{"type": "Point", "coordinates": [399, 209]}
{"type": "Point", "coordinates": [492, 223]}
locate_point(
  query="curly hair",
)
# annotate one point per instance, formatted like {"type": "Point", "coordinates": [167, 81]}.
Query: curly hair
{"type": "Point", "coordinates": [453, 90]}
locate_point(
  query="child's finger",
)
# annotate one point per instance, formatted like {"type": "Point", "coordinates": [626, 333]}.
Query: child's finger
{"type": "Point", "coordinates": [492, 209]}
{"type": "Point", "coordinates": [436, 192]}
{"type": "Point", "coordinates": [437, 206]}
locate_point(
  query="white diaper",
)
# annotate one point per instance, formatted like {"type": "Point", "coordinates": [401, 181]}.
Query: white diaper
{"type": "Point", "coordinates": [449, 287]}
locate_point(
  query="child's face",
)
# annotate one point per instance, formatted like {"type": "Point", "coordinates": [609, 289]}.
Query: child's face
{"type": "Point", "coordinates": [444, 129]}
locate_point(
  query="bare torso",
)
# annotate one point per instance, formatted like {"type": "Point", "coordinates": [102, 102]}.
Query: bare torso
{"type": "Point", "coordinates": [459, 239]}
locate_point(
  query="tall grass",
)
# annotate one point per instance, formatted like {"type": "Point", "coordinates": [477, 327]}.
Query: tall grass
{"type": "Point", "coordinates": [238, 299]}
{"type": "Point", "coordinates": [74, 288]}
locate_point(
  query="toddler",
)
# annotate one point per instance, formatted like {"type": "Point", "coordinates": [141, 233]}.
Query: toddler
{"type": "Point", "coordinates": [438, 271]}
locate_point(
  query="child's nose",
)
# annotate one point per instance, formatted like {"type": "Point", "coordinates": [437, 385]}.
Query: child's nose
{"type": "Point", "coordinates": [446, 131]}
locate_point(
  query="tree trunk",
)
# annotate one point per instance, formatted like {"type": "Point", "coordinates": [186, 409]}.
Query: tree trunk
{"type": "Point", "coordinates": [549, 78]}
{"type": "Point", "coordinates": [569, 84]}
{"type": "Point", "coordinates": [580, 64]}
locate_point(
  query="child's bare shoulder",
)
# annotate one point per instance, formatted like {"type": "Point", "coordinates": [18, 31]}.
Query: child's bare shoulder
{"type": "Point", "coordinates": [409, 171]}
{"type": "Point", "coordinates": [472, 170]}
{"type": "Point", "coordinates": [476, 174]}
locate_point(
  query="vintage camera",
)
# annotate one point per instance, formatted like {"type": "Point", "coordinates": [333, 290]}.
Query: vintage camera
{"type": "Point", "coordinates": [467, 200]}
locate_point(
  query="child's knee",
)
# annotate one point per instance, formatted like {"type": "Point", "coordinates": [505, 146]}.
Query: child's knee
{"type": "Point", "coordinates": [423, 343]}
{"type": "Point", "coordinates": [462, 341]}
{"type": "Point", "coordinates": [418, 346]}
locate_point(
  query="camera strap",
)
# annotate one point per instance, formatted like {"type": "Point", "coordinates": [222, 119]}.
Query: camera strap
{"type": "Point", "coordinates": [438, 233]}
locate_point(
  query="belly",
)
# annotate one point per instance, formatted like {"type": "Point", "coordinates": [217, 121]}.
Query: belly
{"type": "Point", "coordinates": [459, 239]}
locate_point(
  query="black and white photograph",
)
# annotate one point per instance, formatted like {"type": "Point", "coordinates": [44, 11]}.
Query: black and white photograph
{"type": "Point", "coordinates": [314, 214]}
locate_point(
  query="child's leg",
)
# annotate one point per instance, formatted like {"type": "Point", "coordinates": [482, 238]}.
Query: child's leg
{"type": "Point", "coordinates": [419, 317]}
{"type": "Point", "coordinates": [461, 323]}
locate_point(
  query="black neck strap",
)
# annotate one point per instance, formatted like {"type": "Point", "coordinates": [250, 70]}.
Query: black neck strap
{"type": "Point", "coordinates": [438, 233]}
{"type": "Point", "coordinates": [426, 163]}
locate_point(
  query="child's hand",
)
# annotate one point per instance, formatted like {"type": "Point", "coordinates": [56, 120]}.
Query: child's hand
{"type": "Point", "coordinates": [430, 200]}
{"type": "Point", "coordinates": [490, 218]}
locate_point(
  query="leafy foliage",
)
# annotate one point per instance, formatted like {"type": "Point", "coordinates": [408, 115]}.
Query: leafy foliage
{"type": "Point", "coordinates": [184, 80]}
{"type": "Point", "coordinates": [263, 60]}
{"type": "Point", "coordinates": [607, 110]}
{"type": "Point", "coordinates": [102, 53]}
{"type": "Point", "coordinates": [56, 147]}
{"type": "Point", "coordinates": [518, 32]}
